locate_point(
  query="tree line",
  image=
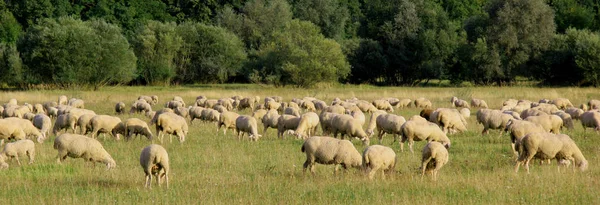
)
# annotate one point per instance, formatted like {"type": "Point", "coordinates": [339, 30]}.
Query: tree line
{"type": "Point", "coordinates": [298, 42]}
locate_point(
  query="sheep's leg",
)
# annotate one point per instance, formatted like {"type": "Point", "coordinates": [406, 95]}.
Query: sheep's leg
{"type": "Point", "coordinates": [424, 166]}
{"type": "Point", "coordinates": [373, 171]}
{"type": "Point", "coordinates": [17, 158]}
{"type": "Point", "coordinates": [410, 145]}
{"type": "Point", "coordinates": [31, 155]}
{"type": "Point", "coordinates": [149, 181]}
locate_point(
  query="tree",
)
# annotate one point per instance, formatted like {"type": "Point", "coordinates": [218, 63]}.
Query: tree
{"type": "Point", "coordinates": [156, 46]}
{"type": "Point", "coordinates": [9, 27]}
{"type": "Point", "coordinates": [28, 12]}
{"type": "Point", "coordinates": [67, 52]}
{"type": "Point", "coordinates": [10, 65]}
{"type": "Point", "coordinates": [299, 55]}
{"type": "Point", "coordinates": [209, 54]}
{"type": "Point", "coordinates": [368, 61]}
{"type": "Point", "coordinates": [572, 14]}
{"type": "Point", "coordinates": [330, 16]}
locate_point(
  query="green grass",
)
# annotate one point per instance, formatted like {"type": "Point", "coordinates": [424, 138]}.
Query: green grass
{"type": "Point", "coordinates": [212, 168]}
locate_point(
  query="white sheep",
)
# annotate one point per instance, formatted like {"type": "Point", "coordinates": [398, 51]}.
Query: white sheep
{"type": "Point", "coordinates": [62, 100]}
{"type": "Point", "coordinates": [120, 108]}
{"type": "Point", "coordinates": [84, 123]}
{"type": "Point", "coordinates": [378, 157]}
{"type": "Point", "coordinates": [465, 112]}
{"type": "Point", "coordinates": [227, 119]}
{"type": "Point", "coordinates": [327, 150]}
{"type": "Point", "coordinates": [79, 146]}
{"type": "Point", "coordinates": [76, 103]}
{"type": "Point", "coordinates": [478, 103]}
{"type": "Point", "coordinates": [26, 126]}
{"type": "Point", "coordinates": [291, 111]}
{"type": "Point", "coordinates": [182, 111]}
{"type": "Point", "coordinates": [21, 147]}
{"type": "Point", "coordinates": [593, 104]}
{"type": "Point", "coordinates": [449, 119]}
{"type": "Point", "coordinates": [270, 120]}
{"type": "Point", "coordinates": [43, 123]}
{"type": "Point", "coordinates": [247, 124]}
{"type": "Point", "coordinates": [210, 115]}
{"type": "Point", "coordinates": [566, 118]}
{"type": "Point", "coordinates": [160, 112]}
{"type": "Point", "coordinates": [307, 126]}
{"type": "Point", "coordinates": [320, 105]}
{"type": "Point", "coordinates": [171, 123]}
{"type": "Point", "coordinates": [195, 113]}
{"type": "Point", "coordinates": [347, 125]}
{"type": "Point", "coordinates": [519, 129]}
{"type": "Point", "coordinates": [550, 123]}
{"type": "Point", "coordinates": [62, 123]}
{"type": "Point", "coordinates": [140, 106]}
{"type": "Point", "coordinates": [357, 114]}
{"type": "Point", "coordinates": [325, 118]}
{"type": "Point", "coordinates": [591, 119]}
{"type": "Point", "coordinates": [402, 103]}
{"type": "Point", "coordinates": [286, 122]}
{"type": "Point", "coordinates": [390, 124]}
{"type": "Point", "coordinates": [422, 103]}
{"type": "Point", "coordinates": [373, 122]}
{"type": "Point", "coordinates": [434, 157]}
{"type": "Point", "coordinates": [562, 103]}
{"type": "Point", "coordinates": [135, 126]}
{"type": "Point", "coordinates": [549, 146]}
{"type": "Point", "coordinates": [575, 112]}
{"type": "Point", "coordinates": [493, 119]}
{"type": "Point", "coordinates": [383, 105]}
{"type": "Point", "coordinates": [246, 103]}
{"type": "Point", "coordinates": [104, 124]}
{"type": "Point", "coordinates": [155, 162]}
{"type": "Point", "coordinates": [456, 102]}
{"type": "Point", "coordinates": [259, 114]}
{"type": "Point", "coordinates": [337, 109]}
{"type": "Point", "coordinates": [419, 130]}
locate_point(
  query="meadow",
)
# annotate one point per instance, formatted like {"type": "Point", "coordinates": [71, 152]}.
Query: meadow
{"type": "Point", "coordinates": [213, 168]}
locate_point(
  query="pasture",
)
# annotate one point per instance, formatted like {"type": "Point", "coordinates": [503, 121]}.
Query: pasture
{"type": "Point", "coordinates": [212, 168]}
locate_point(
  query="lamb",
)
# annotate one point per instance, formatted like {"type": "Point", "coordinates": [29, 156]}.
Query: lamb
{"type": "Point", "coordinates": [21, 147]}
{"type": "Point", "coordinates": [519, 129]}
{"type": "Point", "coordinates": [419, 130]}
{"type": "Point", "coordinates": [43, 123]}
{"type": "Point", "coordinates": [459, 103]}
{"type": "Point", "coordinates": [227, 119]}
{"type": "Point", "coordinates": [575, 112]}
{"type": "Point", "coordinates": [120, 108]}
{"type": "Point", "coordinates": [566, 118]}
{"type": "Point", "coordinates": [104, 124]}
{"type": "Point", "coordinates": [171, 123]}
{"type": "Point", "coordinates": [383, 105]}
{"type": "Point", "coordinates": [286, 122]}
{"type": "Point", "coordinates": [434, 157]}
{"type": "Point", "coordinates": [247, 124]}
{"type": "Point", "coordinates": [291, 111]}
{"type": "Point", "coordinates": [376, 157]}
{"type": "Point", "coordinates": [327, 150]}
{"type": "Point", "coordinates": [307, 126]}
{"type": "Point", "coordinates": [195, 113]}
{"type": "Point", "coordinates": [270, 120]}
{"type": "Point", "coordinates": [591, 119]}
{"type": "Point", "coordinates": [347, 125]}
{"type": "Point", "coordinates": [550, 123]}
{"type": "Point", "coordinates": [422, 103]}
{"type": "Point", "coordinates": [155, 161]}
{"type": "Point", "coordinates": [135, 126]}
{"type": "Point", "coordinates": [493, 119]}
{"type": "Point", "coordinates": [79, 146]}
{"type": "Point", "coordinates": [562, 103]}
{"type": "Point", "coordinates": [549, 146]}
{"type": "Point", "coordinates": [84, 123]}
{"type": "Point", "coordinates": [389, 123]}
{"type": "Point", "coordinates": [479, 103]}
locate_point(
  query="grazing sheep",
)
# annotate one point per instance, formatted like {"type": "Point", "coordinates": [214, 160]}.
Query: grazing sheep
{"type": "Point", "coordinates": [135, 126]}
{"type": "Point", "coordinates": [155, 161]}
{"type": "Point", "coordinates": [195, 113]}
{"type": "Point", "coordinates": [179, 99]}
{"type": "Point", "coordinates": [247, 124]}
{"type": "Point", "coordinates": [307, 126]}
{"type": "Point", "coordinates": [291, 111]}
{"type": "Point", "coordinates": [76, 103]}
{"type": "Point", "coordinates": [43, 123]}
{"type": "Point", "coordinates": [270, 120]}
{"type": "Point", "coordinates": [347, 125]}
{"type": "Point", "coordinates": [519, 129]}
{"type": "Point", "coordinates": [320, 105]}
{"type": "Point", "coordinates": [459, 103]}
{"type": "Point", "coordinates": [593, 104]}
{"type": "Point", "coordinates": [174, 104]}
{"type": "Point", "coordinates": [246, 103]}
{"type": "Point", "coordinates": [549, 146]}
{"type": "Point", "coordinates": [120, 108]}
{"type": "Point", "coordinates": [422, 103]}
{"type": "Point", "coordinates": [26, 126]}
{"type": "Point", "coordinates": [358, 115]}
{"type": "Point", "coordinates": [38, 108]}
{"type": "Point", "coordinates": [308, 106]}
{"type": "Point", "coordinates": [62, 123]}
{"type": "Point", "coordinates": [434, 157]}
{"type": "Point", "coordinates": [227, 119]}
{"type": "Point", "coordinates": [325, 118]}
{"type": "Point", "coordinates": [259, 114]}
{"type": "Point", "coordinates": [327, 150]}
{"type": "Point", "coordinates": [171, 123]}
{"type": "Point", "coordinates": [28, 116]}
{"type": "Point", "coordinates": [575, 112]}
{"type": "Point", "coordinates": [158, 113]}
{"type": "Point", "coordinates": [550, 123]}
{"type": "Point", "coordinates": [152, 100]}
{"type": "Point", "coordinates": [493, 119]}
{"type": "Point", "coordinates": [104, 124]}
{"type": "Point", "coordinates": [140, 106]}
{"type": "Point", "coordinates": [383, 105]}
{"type": "Point", "coordinates": [182, 111]}
{"type": "Point", "coordinates": [591, 119]}
{"type": "Point", "coordinates": [584, 107]}
{"type": "Point", "coordinates": [449, 119]}
{"type": "Point", "coordinates": [63, 100]}
{"type": "Point", "coordinates": [532, 112]}
{"type": "Point", "coordinates": [21, 147]}
{"type": "Point", "coordinates": [373, 122]}
{"type": "Point", "coordinates": [84, 123]}
{"type": "Point", "coordinates": [10, 131]}
{"type": "Point", "coordinates": [562, 103]}
{"type": "Point", "coordinates": [376, 157]}
{"type": "Point", "coordinates": [419, 130]}
{"type": "Point", "coordinates": [337, 109]}
{"type": "Point", "coordinates": [402, 103]}
{"type": "Point", "coordinates": [547, 108]}
{"type": "Point", "coordinates": [465, 112]}
{"type": "Point", "coordinates": [79, 146]}
{"type": "Point", "coordinates": [566, 118]}
{"type": "Point", "coordinates": [479, 103]}
{"type": "Point", "coordinates": [286, 122]}
{"type": "Point", "coordinates": [390, 124]}
{"type": "Point", "coordinates": [225, 102]}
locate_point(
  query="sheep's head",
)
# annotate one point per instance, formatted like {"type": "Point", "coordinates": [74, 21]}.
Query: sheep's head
{"type": "Point", "coordinates": [583, 165]}
{"type": "Point", "coordinates": [110, 163]}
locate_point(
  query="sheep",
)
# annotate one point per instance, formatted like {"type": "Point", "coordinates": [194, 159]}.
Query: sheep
{"type": "Point", "coordinates": [519, 129]}
{"type": "Point", "coordinates": [210, 103]}
{"type": "Point", "coordinates": [449, 119]}
{"type": "Point", "coordinates": [286, 122]}
{"type": "Point", "coordinates": [38, 108]}
{"type": "Point", "coordinates": [20, 147]}
{"type": "Point", "coordinates": [247, 124]}
{"type": "Point", "coordinates": [584, 107]}
{"type": "Point", "coordinates": [62, 100]}
{"type": "Point", "coordinates": [104, 124]}
{"type": "Point", "coordinates": [225, 102]}
{"type": "Point", "coordinates": [419, 130]}
{"type": "Point", "coordinates": [79, 146]}
{"type": "Point", "coordinates": [291, 111]}
{"type": "Point", "coordinates": [195, 113]}
{"type": "Point", "coordinates": [327, 150]}
{"type": "Point", "coordinates": [210, 115]}
{"type": "Point", "coordinates": [465, 113]}
{"type": "Point", "coordinates": [459, 103]}
{"type": "Point", "coordinates": [62, 123]}
{"type": "Point", "coordinates": [171, 123]}
{"type": "Point", "coordinates": [174, 104]}
{"type": "Point", "coordinates": [389, 123]}
{"type": "Point", "coordinates": [358, 115]}
{"type": "Point", "coordinates": [259, 114]}
{"type": "Point", "coordinates": [135, 126]}
{"type": "Point", "coordinates": [493, 119]}
{"type": "Point", "coordinates": [325, 118]}
{"type": "Point", "coordinates": [514, 114]}
{"type": "Point", "coordinates": [562, 103]}
{"type": "Point", "coordinates": [320, 105]}
{"type": "Point", "coordinates": [270, 120]}
{"type": "Point", "coordinates": [26, 126]}
{"type": "Point", "coordinates": [154, 159]}
{"type": "Point", "coordinates": [566, 118]}
{"type": "Point", "coordinates": [52, 112]}
{"type": "Point", "coordinates": [402, 103]}
{"type": "Point", "coordinates": [422, 103]}
{"type": "Point", "coordinates": [434, 157]}
{"type": "Point", "coordinates": [152, 100]}
{"type": "Point", "coordinates": [532, 112]}
{"type": "Point", "coordinates": [373, 122]}
{"type": "Point", "coordinates": [376, 157]}
{"type": "Point", "coordinates": [347, 125]}
{"type": "Point", "coordinates": [478, 103]}
{"type": "Point", "coordinates": [550, 123]}
{"type": "Point", "coordinates": [246, 103]}
{"type": "Point", "coordinates": [160, 112]}
{"type": "Point", "coordinates": [271, 104]}
{"type": "Point", "coordinates": [307, 126]}
{"type": "Point", "coordinates": [120, 108]}
{"type": "Point", "coordinates": [28, 116]}
{"type": "Point", "coordinates": [76, 103]}
{"type": "Point", "coordinates": [593, 104]}
{"type": "Point", "coordinates": [227, 119]}
{"type": "Point", "coordinates": [547, 108]}
{"type": "Point", "coordinates": [549, 146]}
{"type": "Point", "coordinates": [84, 123]}
{"type": "Point", "coordinates": [575, 112]}
{"type": "Point", "coordinates": [591, 119]}
{"type": "Point", "coordinates": [179, 99]}
{"type": "Point", "coordinates": [10, 131]}
{"type": "Point", "coordinates": [43, 123]}
{"type": "Point", "coordinates": [308, 106]}
{"type": "Point", "coordinates": [182, 111]}
{"type": "Point", "coordinates": [383, 105]}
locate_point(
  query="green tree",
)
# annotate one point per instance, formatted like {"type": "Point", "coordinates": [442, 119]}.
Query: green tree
{"type": "Point", "coordinates": [571, 13]}
{"type": "Point", "coordinates": [586, 45]}
{"type": "Point", "coordinates": [209, 54]}
{"type": "Point", "coordinates": [67, 51]}
{"type": "Point", "coordinates": [330, 16]}
{"type": "Point", "coordinates": [10, 65]}
{"type": "Point", "coordinates": [300, 55]}
{"type": "Point", "coordinates": [369, 62]}
{"type": "Point", "coordinates": [9, 27]}
{"type": "Point", "coordinates": [156, 45]}
{"type": "Point", "coordinates": [28, 12]}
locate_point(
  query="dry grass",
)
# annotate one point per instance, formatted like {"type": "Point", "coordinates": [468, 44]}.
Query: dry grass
{"type": "Point", "coordinates": [210, 168]}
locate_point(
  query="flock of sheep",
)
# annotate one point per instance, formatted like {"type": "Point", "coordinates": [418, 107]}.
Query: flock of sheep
{"type": "Point", "coordinates": [534, 128]}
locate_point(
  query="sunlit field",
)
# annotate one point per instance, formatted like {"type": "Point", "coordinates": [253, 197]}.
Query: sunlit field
{"type": "Point", "coordinates": [213, 168]}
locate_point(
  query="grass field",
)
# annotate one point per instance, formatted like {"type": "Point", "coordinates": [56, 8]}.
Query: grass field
{"type": "Point", "coordinates": [212, 168]}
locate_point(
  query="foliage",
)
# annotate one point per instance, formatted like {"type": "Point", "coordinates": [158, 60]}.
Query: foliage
{"type": "Point", "coordinates": [10, 65]}
{"type": "Point", "coordinates": [300, 55]}
{"type": "Point", "coordinates": [68, 51]}
{"type": "Point", "coordinates": [330, 16]}
{"type": "Point", "coordinates": [209, 54]}
{"type": "Point", "coordinates": [10, 29]}
{"type": "Point", "coordinates": [156, 45]}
